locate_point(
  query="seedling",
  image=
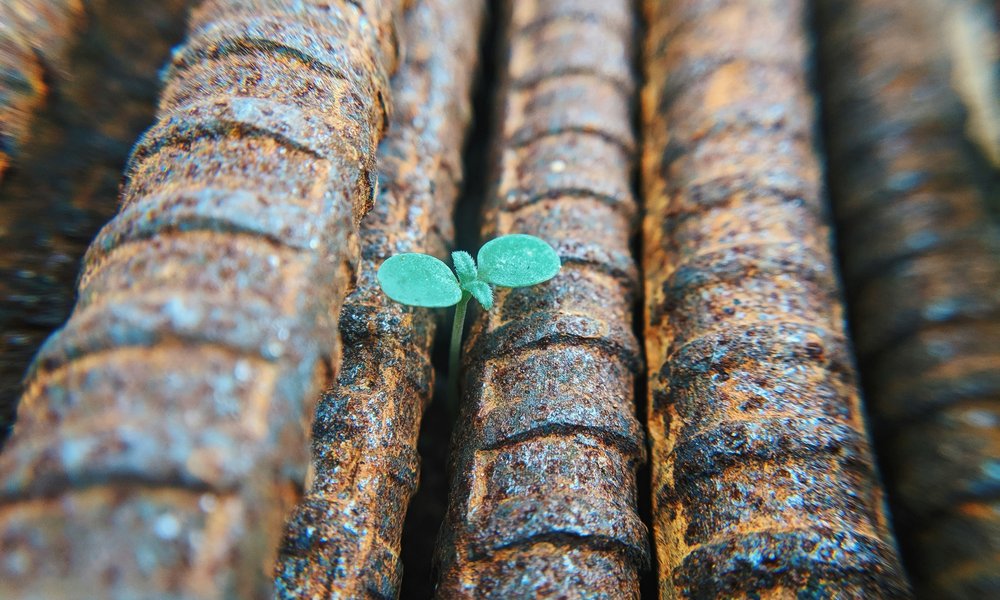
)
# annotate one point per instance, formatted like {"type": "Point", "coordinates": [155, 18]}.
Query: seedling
{"type": "Point", "coordinates": [421, 280]}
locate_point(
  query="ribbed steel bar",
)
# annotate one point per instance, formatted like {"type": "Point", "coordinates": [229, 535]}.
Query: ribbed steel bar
{"type": "Point", "coordinates": [35, 36]}
{"type": "Point", "coordinates": [763, 480]}
{"type": "Point", "coordinates": [65, 185]}
{"type": "Point", "coordinates": [922, 268]}
{"type": "Point", "coordinates": [543, 500]}
{"type": "Point", "coordinates": [162, 436]}
{"type": "Point", "coordinates": [343, 539]}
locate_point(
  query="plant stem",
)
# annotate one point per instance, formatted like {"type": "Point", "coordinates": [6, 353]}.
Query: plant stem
{"type": "Point", "coordinates": [455, 353]}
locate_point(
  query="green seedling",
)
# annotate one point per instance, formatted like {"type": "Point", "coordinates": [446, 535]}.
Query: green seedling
{"type": "Point", "coordinates": [421, 280]}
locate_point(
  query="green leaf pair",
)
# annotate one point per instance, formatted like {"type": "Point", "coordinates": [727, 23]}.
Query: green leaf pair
{"type": "Point", "coordinates": [421, 280]}
{"type": "Point", "coordinates": [510, 261]}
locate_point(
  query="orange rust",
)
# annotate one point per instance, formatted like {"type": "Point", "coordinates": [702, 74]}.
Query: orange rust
{"type": "Point", "coordinates": [763, 481]}
{"type": "Point", "coordinates": [923, 279]}
{"type": "Point", "coordinates": [184, 380]}
{"type": "Point", "coordinates": [543, 490]}
{"type": "Point", "coordinates": [343, 538]}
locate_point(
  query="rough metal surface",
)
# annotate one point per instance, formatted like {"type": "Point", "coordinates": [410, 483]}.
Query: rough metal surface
{"type": "Point", "coordinates": [543, 493]}
{"type": "Point", "coordinates": [64, 186]}
{"type": "Point", "coordinates": [34, 38]}
{"type": "Point", "coordinates": [343, 539]}
{"type": "Point", "coordinates": [763, 480]}
{"type": "Point", "coordinates": [162, 436]}
{"type": "Point", "coordinates": [922, 268]}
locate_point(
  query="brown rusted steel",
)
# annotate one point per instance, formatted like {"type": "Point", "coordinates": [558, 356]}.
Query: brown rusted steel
{"type": "Point", "coordinates": [65, 185]}
{"type": "Point", "coordinates": [35, 36]}
{"type": "Point", "coordinates": [763, 480]}
{"type": "Point", "coordinates": [162, 436]}
{"type": "Point", "coordinates": [343, 539]}
{"type": "Point", "coordinates": [922, 268]}
{"type": "Point", "coordinates": [543, 488]}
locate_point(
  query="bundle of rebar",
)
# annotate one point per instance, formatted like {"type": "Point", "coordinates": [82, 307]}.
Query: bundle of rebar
{"type": "Point", "coordinates": [162, 436]}
{"type": "Point", "coordinates": [231, 306]}
{"type": "Point", "coordinates": [763, 479]}
{"type": "Point", "coordinates": [343, 539]}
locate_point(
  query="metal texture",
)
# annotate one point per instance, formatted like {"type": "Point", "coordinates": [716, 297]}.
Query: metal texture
{"type": "Point", "coordinates": [763, 479]}
{"type": "Point", "coordinates": [162, 436]}
{"type": "Point", "coordinates": [65, 185]}
{"type": "Point", "coordinates": [34, 38]}
{"type": "Point", "coordinates": [543, 488]}
{"type": "Point", "coordinates": [343, 539]}
{"type": "Point", "coordinates": [922, 268]}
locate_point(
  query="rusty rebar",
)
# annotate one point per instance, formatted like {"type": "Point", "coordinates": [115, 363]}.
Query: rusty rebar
{"type": "Point", "coordinates": [922, 268]}
{"type": "Point", "coordinates": [543, 489]}
{"type": "Point", "coordinates": [343, 539]}
{"type": "Point", "coordinates": [763, 479]}
{"type": "Point", "coordinates": [65, 185]}
{"type": "Point", "coordinates": [162, 436]}
{"type": "Point", "coordinates": [34, 38]}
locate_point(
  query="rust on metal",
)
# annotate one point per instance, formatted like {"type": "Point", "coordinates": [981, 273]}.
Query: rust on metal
{"type": "Point", "coordinates": [65, 185]}
{"type": "Point", "coordinates": [343, 538]}
{"type": "Point", "coordinates": [162, 436]}
{"type": "Point", "coordinates": [35, 36]}
{"type": "Point", "coordinates": [922, 270]}
{"type": "Point", "coordinates": [543, 484]}
{"type": "Point", "coordinates": [763, 479]}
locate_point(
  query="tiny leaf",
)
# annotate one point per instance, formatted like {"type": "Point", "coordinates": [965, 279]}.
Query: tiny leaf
{"type": "Point", "coordinates": [464, 266]}
{"type": "Point", "coordinates": [517, 260]}
{"type": "Point", "coordinates": [418, 280]}
{"type": "Point", "coordinates": [482, 292]}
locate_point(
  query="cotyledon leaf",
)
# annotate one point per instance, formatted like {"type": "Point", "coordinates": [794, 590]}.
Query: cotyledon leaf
{"type": "Point", "coordinates": [517, 260]}
{"type": "Point", "coordinates": [419, 280]}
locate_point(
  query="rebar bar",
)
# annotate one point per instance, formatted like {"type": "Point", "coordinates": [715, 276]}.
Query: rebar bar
{"type": "Point", "coordinates": [922, 268]}
{"type": "Point", "coordinates": [65, 185]}
{"type": "Point", "coordinates": [343, 539]}
{"type": "Point", "coordinates": [34, 38]}
{"type": "Point", "coordinates": [543, 499]}
{"type": "Point", "coordinates": [162, 436]}
{"type": "Point", "coordinates": [763, 480]}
